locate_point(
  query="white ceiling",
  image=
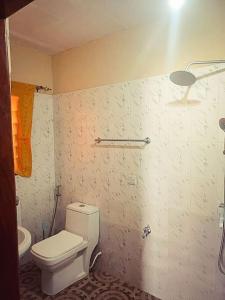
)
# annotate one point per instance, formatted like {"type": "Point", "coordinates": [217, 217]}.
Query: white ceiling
{"type": "Point", "coordinates": [56, 25]}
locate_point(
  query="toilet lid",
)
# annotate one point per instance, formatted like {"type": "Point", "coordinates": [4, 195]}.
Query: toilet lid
{"type": "Point", "coordinates": [57, 245]}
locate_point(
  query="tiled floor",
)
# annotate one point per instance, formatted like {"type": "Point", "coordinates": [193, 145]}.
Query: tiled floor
{"type": "Point", "coordinates": [97, 286]}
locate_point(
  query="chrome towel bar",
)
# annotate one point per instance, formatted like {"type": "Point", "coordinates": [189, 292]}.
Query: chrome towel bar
{"type": "Point", "coordinates": [146, 140]}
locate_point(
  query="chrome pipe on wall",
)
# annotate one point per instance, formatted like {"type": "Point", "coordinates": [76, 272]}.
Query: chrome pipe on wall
{"type": "Point", "coordinates": [221, 263]}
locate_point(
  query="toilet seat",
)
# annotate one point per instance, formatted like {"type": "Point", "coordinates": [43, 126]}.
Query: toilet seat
{"type": "Point", "coordinates": [58, 247]}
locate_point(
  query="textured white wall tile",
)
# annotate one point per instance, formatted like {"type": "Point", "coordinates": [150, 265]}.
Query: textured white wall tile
{"type": "Point", "coordinates": [179, 179]}
{"type": "Point", "coordinates": [36, 193]}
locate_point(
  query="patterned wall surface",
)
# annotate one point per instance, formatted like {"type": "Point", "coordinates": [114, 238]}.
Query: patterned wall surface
{"type": "Point", "coordinates": [179, 179]}
{"type": "Point", "coordinates": [36, 193]}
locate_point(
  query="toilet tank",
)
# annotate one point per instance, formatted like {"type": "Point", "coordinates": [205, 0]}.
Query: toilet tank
{"type": "Point", "coordinates": [83, 220]}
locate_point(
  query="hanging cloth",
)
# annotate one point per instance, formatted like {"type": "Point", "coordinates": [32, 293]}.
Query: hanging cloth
{"type": "Point", "coordinates": [22, 99]}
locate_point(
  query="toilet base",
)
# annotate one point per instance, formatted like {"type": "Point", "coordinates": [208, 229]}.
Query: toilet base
{"type": "Point", "coordinates": [54, 282]}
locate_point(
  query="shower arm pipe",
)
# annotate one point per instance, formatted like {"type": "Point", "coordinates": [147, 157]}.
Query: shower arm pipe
{"type": "Point", "coordinates": [205, 62]}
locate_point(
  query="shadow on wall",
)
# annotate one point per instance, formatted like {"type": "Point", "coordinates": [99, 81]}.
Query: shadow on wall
{"type": "Point", "coordinates": [122, 219]}
{"type": "Point", "coordinates": [185, 101]}
{"type": "Point", "coordinates": [117, 146]}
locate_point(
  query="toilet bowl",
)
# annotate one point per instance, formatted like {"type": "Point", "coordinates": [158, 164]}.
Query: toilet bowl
{"type": "Point", "coordinates": [65, 257]}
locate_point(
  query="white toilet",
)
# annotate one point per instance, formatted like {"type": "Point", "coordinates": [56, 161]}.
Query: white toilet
{"type": "Point", "coordinates": [65, 257]}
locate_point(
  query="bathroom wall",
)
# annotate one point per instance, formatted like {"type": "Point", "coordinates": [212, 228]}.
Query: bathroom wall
{"type": "Point", "coordinates": [30, 65]}
{"type": "Point", "coordinates": [175, 184]}
{"type": "Point", "coordinates": [36, 193]}
{"type": "Point", "coordinates": [168, 42]}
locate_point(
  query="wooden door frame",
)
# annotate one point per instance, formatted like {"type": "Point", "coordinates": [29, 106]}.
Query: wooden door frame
{"type": "Point", "coordinates": [9, 279]}
{"type": "Point", "coordinates": [9, 7]}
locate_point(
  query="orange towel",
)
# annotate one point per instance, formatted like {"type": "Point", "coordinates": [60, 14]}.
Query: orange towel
{"type": "Point", "coordinates": [22, 98]}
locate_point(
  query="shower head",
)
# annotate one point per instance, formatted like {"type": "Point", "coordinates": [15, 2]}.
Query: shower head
{"type": "Point", "coordinates": [186, 78]}
{"type": "Point", "coordinates": [222, 123]}
{"type": "Point", "coordinates": [183, 78]}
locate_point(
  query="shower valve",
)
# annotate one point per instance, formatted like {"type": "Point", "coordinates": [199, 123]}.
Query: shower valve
{"type": "Point", "coordinates": [146, 231]}
{"type": "Point", "coordinates": [221, 215]}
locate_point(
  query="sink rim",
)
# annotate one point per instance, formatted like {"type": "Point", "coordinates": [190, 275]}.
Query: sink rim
{"type": "Point", "coordinates": [24, 245]}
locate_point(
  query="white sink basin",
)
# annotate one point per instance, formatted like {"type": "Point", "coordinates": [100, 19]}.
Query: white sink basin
{"type": "Point", "coordinates": [24, 240]}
